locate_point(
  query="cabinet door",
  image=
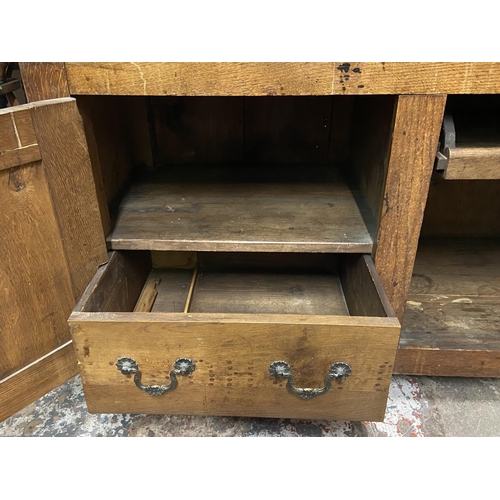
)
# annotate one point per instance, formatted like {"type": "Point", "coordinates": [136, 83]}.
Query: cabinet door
{"type": "Point", "coordinates": [50, 247]}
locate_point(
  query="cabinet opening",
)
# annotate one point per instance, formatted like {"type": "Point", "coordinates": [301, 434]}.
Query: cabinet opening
{"type": "Point", "coordinates": [237, 283]}
{"type": "Point", "coordinates": [255, 174]}
{"type": "Point", "coordinates": [452, 311]}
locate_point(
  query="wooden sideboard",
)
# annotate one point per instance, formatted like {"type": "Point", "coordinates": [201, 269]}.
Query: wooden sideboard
{"type": "Point", "coordinates": [282, 166]}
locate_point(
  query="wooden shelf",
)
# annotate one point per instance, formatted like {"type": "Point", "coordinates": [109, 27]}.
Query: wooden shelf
{"type": "Point", "coordinates": [284, 208]}
{"type": "Point", "coordinates": [451, 325]}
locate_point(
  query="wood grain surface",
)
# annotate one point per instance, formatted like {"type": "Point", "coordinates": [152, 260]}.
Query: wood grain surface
{"type": "Point", "coordinates": [36, 380]}
{"type": "Point", "coordinates": [232, 354]}
{"type": "Point", "coordinates": [474, 163]}
{"type": "Point", "coordinates": [323, 217]}
{"type": "Point", "coordinates": [66, 164]}
{"type": "Point", "coordinates": [462, 208]}
{"type": "Point", "coordinates": [190, 79]}
{"type": "Point", "coordinates": [18, 142]}
{"type": "Point", "coordinates": [35, 279]}
{"type": "Point", "coordinates": [414, 144]}
{"type": "Point", "coordinates": [44, 81]}
{"type": "Point", "coordinates": [239, 79]}
{"type": "Point", "coordinates": [417, 78]}
{"type": "Point", "coordinates": [451, 324]}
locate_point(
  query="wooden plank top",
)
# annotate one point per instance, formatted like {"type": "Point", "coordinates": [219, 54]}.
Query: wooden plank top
{"type": "Point", "coordinates": [254, 79]}
{"type": "Point", "coordinates": [160, 213]}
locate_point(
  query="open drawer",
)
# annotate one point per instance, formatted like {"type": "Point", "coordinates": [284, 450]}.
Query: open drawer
{"type": "Point", "coordinates": [267, 335]}
{"type": "Point", "coordinates": [469, 146]}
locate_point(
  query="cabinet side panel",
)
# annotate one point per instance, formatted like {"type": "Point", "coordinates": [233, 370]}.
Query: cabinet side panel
{"type": "Point", "coordinates": [415, 137]}
{"type": "Point", "coordinates": [66, 164]}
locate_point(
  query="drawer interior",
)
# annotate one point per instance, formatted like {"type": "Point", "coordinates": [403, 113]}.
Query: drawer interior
{"type": "Point", "coordinates": [241, 283]}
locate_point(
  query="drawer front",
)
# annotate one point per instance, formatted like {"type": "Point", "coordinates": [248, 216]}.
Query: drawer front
{"type": "Point", "coordinates": [232, 355]}
{"type": "Point", "coordinates": [233, 324]}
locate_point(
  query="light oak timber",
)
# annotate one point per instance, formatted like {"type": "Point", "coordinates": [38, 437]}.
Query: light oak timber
{"type": "Point", "coordinates": [67, 167]}
{"type": "Point", "coordinates": [36, 380]}
{"type": "Point", "coordinates": [43, 81]}
{"type": "Point", "coordinates": [200, 79]}
{"type": "Point", "coordinates": [243, 79]}
{"type": "Point", "coordinates": [232, 354]}
{"type": "Point", "coordinates": [18, 142]}
{"type": "Point", "coordinates": [416, 78]}
{"type": "Point", "coordinates": [473, 163]}
{"type": "Point", "coordinates": [413, 149]}
{"type": "Point", "coordinates": [36, 288]}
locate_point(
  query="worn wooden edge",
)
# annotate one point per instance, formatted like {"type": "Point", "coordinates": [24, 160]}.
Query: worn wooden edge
{"type": "Point", "coordinates": [104, 288]}
{"type": "Point", "coordinates": [473, 164]}
{"type": "Point", "coordinates": [292, 319]}
{"type": "Point", "coordinates": [235, 246]}
{"type": "Point", "coordinates": [415, 137]}
{"type": "Point", "coordinates": [324, 78]}
{"type": "Point", "coordinates": [110, 399]}
{"type": "Point", "coordinates": [377, 283]}
{"type": "Point", "coordinates": [37, 379]}
{"type": "Point", "coordinates": [447, 362]}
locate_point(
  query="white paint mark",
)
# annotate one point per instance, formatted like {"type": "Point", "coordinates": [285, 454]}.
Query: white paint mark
{"type": "Point", "coordinates": [141, 74]}
{"type": "Point", "coordinates": [19, 145]}
{"type": "Point", "coordinates": [462, 301]}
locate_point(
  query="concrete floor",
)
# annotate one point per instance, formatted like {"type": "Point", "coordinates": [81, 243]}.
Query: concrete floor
{"type": "Point", "coordinates": [417, 407]}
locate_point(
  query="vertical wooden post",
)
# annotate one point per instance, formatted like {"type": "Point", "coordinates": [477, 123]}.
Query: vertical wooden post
{"type": "Point", "coordinates": [414, 144]}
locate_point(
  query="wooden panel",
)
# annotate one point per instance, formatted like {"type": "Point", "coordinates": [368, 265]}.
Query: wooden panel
{"type": "Point", "coordinates": [66, 164]}
{"type": "Point", "coordinates": [232, 355]}
{"type": "Point", "coordinates": [283, 78]}
{"type": "Point", "coordinates": [372, 128]}
{"type": "Point", "coordinates": [473, 163]}
{"type": "Point", "coordinates": [191, 79]}
{"type": "Point", "coordinates": [44, 81]}
{"type": "Point", "coordinates": [448, 362]}
{"type": "Point", "coordinates": [34, 277]}
{"type": "Point", "coordinates": [462, 208]}
{"type": "Point", "coordinates": [117, 285]}
{"type": "Point", "coordinates": [416, 78]}
{"type": "Point", "coordinates": [35, 381]}
{"type": "Point", "coordinates": [111, 146]}
{"type": "Point", "coordinates": [364, 293]}
{"type": "Point", "coordinates": [270, 217]}
{"type": "Point", "coordinates": [18, 143]}
{"type": "Point", "coordinates": [172, 290]}
{"type": "Point", "coordinates": [414, 144]}
{"type": "Point", "coordinates": [339, 147]}
{"type": "Point", "coordinates": [267, 293]}
{"type": "Point", "coordinates": [287, 129]}
{"type": "Point", "coordinates": [451, 324]}
{"type": "Point", "coordinates": [198, 129]}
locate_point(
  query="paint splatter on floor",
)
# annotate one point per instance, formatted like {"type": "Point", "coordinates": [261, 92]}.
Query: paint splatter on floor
{"type": "Point", "coordinates": [63, 412]}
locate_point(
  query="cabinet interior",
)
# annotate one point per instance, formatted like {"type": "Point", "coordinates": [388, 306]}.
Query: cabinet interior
{"type": "Point", "coordinates": [246, 174]}
{"type": "Point", "coordinates": [454, 300]}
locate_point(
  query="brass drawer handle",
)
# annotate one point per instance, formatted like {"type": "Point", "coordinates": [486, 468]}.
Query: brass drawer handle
{"type": "Point", "coordinates": [281, 369]}
{"type": "Point", "coordinates": [182, 366]}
